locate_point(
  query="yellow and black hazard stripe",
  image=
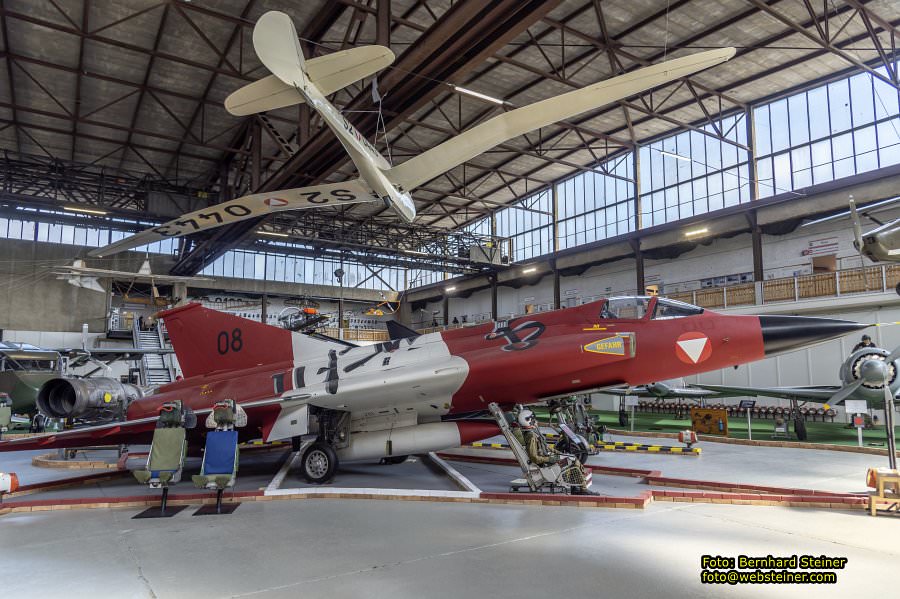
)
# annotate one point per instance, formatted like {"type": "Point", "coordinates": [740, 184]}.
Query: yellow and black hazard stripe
{"type": "Point", "coordinates": [647, 448]}
{"type": "Point", "coordinates": [270, 443]}
{"type": "Point", "coordinates": [614, 446]}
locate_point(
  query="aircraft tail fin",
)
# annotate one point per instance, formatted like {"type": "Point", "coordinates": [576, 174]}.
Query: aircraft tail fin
{"type": "Point", "coordinates": [208, 340]}
{"type": "Point", "coordinates": [329, 73]}
{"type": "Point", "coordinates": [397, 330]}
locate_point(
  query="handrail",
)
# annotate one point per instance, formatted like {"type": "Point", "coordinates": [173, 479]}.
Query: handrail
{"type": "Point", "coordinates": [166, 358]}
{"type": "Point", "coordinates": [136, 340]}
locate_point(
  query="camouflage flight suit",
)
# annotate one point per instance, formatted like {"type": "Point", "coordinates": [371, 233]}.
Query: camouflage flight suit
{"type": "Point", "coordinates": [539, 453]}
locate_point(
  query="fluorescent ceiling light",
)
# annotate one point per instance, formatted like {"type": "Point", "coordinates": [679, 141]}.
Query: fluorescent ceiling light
{"type": "Point", "coordinates": [530, 269]}
{"type": "Point", "coordinates": [475, 94]}
{"type": "Point", "coordinates": [674, 155]}
{"type": "Point", "coordinates": [84, 210]}
{"type": "Point", "coordinates": [273, 234]}
{"type": "Point", "coordinates": [696, 232]}
{"type": "Point", "coordinates": [450, 289]}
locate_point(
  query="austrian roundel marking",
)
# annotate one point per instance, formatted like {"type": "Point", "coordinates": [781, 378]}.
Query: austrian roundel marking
{"type": "Point", "coordinates": [275, 202]}
{"type": "Point", "coordinates": [693, 347]}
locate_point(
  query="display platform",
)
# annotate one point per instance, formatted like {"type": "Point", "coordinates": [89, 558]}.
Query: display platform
{"type": "Point", "coordinates": [731, 474]}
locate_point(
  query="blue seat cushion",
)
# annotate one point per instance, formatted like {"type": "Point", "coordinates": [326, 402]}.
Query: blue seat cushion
{"type": "Point", "coordinates": [220, 449]}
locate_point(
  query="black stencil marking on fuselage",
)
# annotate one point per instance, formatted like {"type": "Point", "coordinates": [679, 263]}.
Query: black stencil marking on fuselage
{"type": "Point", "coordinates": [504, 329]}
{"type": "Point", "coordinates": [331, 379]}
{"type": "Point", "coordinates": [386, 347]}
{"type": "Point", "coordinates": [300, 378]}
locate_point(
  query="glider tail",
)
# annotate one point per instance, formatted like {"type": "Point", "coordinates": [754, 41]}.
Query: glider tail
{"type": "Point", "coordinates": [276, 43]}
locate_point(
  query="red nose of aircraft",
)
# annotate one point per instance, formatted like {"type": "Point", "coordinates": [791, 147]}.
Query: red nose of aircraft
{"type": "Point", "coordinates": [785, 333]}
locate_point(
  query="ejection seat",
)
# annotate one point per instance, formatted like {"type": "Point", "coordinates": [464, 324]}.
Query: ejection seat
{"type": "Point", "coordinates": [5, 413]}
{"type": "Point", "coordinates": [167, 452]}
{"type": "Point", "coordinates": [220, 456]}
{"type": "Point", "coordinates": [537, 478]}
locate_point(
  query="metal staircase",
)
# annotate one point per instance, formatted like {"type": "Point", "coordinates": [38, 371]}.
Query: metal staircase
{"type": "Point", "coordinates": [154, 369]}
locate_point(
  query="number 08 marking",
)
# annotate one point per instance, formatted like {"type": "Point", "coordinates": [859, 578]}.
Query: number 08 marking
{"type": "Point", "coordinates": [233, 342]}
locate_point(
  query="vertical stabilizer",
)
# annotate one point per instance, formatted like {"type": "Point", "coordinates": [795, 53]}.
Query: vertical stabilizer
{"type": "Point", "coordinates": [278, 47]}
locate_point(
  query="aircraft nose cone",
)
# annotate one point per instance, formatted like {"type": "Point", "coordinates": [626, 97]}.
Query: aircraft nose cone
{"type": "Point", "coordinates": [785, 333]}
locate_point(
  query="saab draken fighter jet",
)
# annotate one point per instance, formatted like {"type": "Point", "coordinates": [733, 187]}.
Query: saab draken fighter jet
{"type": "Point", "coordinates": [419, 393]}
{"type": "Point", "coordinates": [295, 80]}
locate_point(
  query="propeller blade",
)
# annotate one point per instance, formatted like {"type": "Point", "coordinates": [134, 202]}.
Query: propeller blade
{"type": "Point", "coordinates": [845, 392]}
{"type": "Point", "coordinates": [893, 355]}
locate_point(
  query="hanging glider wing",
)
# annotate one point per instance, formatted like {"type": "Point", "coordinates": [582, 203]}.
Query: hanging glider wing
{"type": "Point", "coordinates": [295, 79]}
{"type": "Point", "coordinates": [504, 127]}
{"type": "Point", "coordinates": [251, 206]}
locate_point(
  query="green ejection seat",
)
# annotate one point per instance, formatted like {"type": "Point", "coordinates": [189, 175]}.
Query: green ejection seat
{"type": "Point", "coordinates": [167, 451]}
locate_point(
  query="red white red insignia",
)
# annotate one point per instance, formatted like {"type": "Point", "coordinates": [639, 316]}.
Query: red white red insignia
{"type": "Point", "coordinates": [275, 202]}
{"type": "Point", "coordinates": [693, 347]}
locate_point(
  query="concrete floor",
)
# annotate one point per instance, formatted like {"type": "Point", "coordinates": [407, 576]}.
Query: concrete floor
{"type": "Point", "coordinates": [363, 548]}
{"type": "Point", "coordinates": [343, 548]}
{"type": "Point", "coordinates": [775, 466]}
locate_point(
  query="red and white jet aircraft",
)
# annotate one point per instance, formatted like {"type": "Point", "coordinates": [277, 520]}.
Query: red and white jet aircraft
{"type": "Point", "coordinates": [424, 392]}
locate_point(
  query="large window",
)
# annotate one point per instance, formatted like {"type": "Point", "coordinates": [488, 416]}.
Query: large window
{"type": "Point", "coordinates": [272, 266]}
{"type": "Point", "coordinates": [597, 205]}
{"type": "Point", "coordinates": [83, 235]}
{"type": "Point", "coordinates": [529, 224]}
{"type": "Point", "coordinates": [694, 172]}
{"type": "Point", "coordinates": [844, 128]}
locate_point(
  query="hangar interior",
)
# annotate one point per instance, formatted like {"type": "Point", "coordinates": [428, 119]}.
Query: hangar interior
{"type": "Point", "coordinates": [726, 191]}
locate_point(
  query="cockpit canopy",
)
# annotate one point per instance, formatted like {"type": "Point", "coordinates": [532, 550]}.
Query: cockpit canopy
{"type": "Point", "coordinates": [639, 306]}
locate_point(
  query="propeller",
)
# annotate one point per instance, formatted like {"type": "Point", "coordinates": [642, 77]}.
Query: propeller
{"type": "Point", "coordinates": [846, 391]}
{"type": "Point", "coordinates": [889, 418]}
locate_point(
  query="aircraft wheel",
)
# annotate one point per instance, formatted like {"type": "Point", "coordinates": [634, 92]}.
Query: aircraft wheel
{"type": "Point", "coordinates": [319, 463]}
{"type": "Point", "coordinates": [394, 459]}
{"type": "Point", "coordinates": [898, 288]}
{"type": "Point", "coordinates": [582, 457]}
{"type": "Point", "coordinates": [800, 429]}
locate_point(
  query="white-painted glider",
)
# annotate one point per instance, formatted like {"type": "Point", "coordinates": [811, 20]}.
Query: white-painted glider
{"type": "Point", "coordinates": [295, 80]}
{"type": "Point", "coordinates": [245, 207]}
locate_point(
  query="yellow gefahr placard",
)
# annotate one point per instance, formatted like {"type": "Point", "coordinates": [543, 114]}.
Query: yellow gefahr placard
{"type": "Point", "coordinates": [610, 345]}
{"type": "Point", "coordinates": [709, 421]}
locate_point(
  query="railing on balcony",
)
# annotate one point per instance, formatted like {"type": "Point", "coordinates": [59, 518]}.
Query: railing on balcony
{"type": "Point", "coordinates": [872, 279]}
{"type": "Point", "coordinates": [375, 335]}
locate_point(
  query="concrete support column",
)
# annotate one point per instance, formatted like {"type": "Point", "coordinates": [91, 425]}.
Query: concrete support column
{"type": "Point", "coordinates": [493, 280]}
{"type": "Point", "coordinates": [556, 295]}
{"type": "Point", "coordinates": [179, 291]}
{"type": "Point", "coordinates": [264, 311]}
{"type": "Point", "coordinates": [446, 310]}
{"type": "Point", "coordinates": [638, 266]}
{"type": "Point", "coordinates": [756, 238]}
